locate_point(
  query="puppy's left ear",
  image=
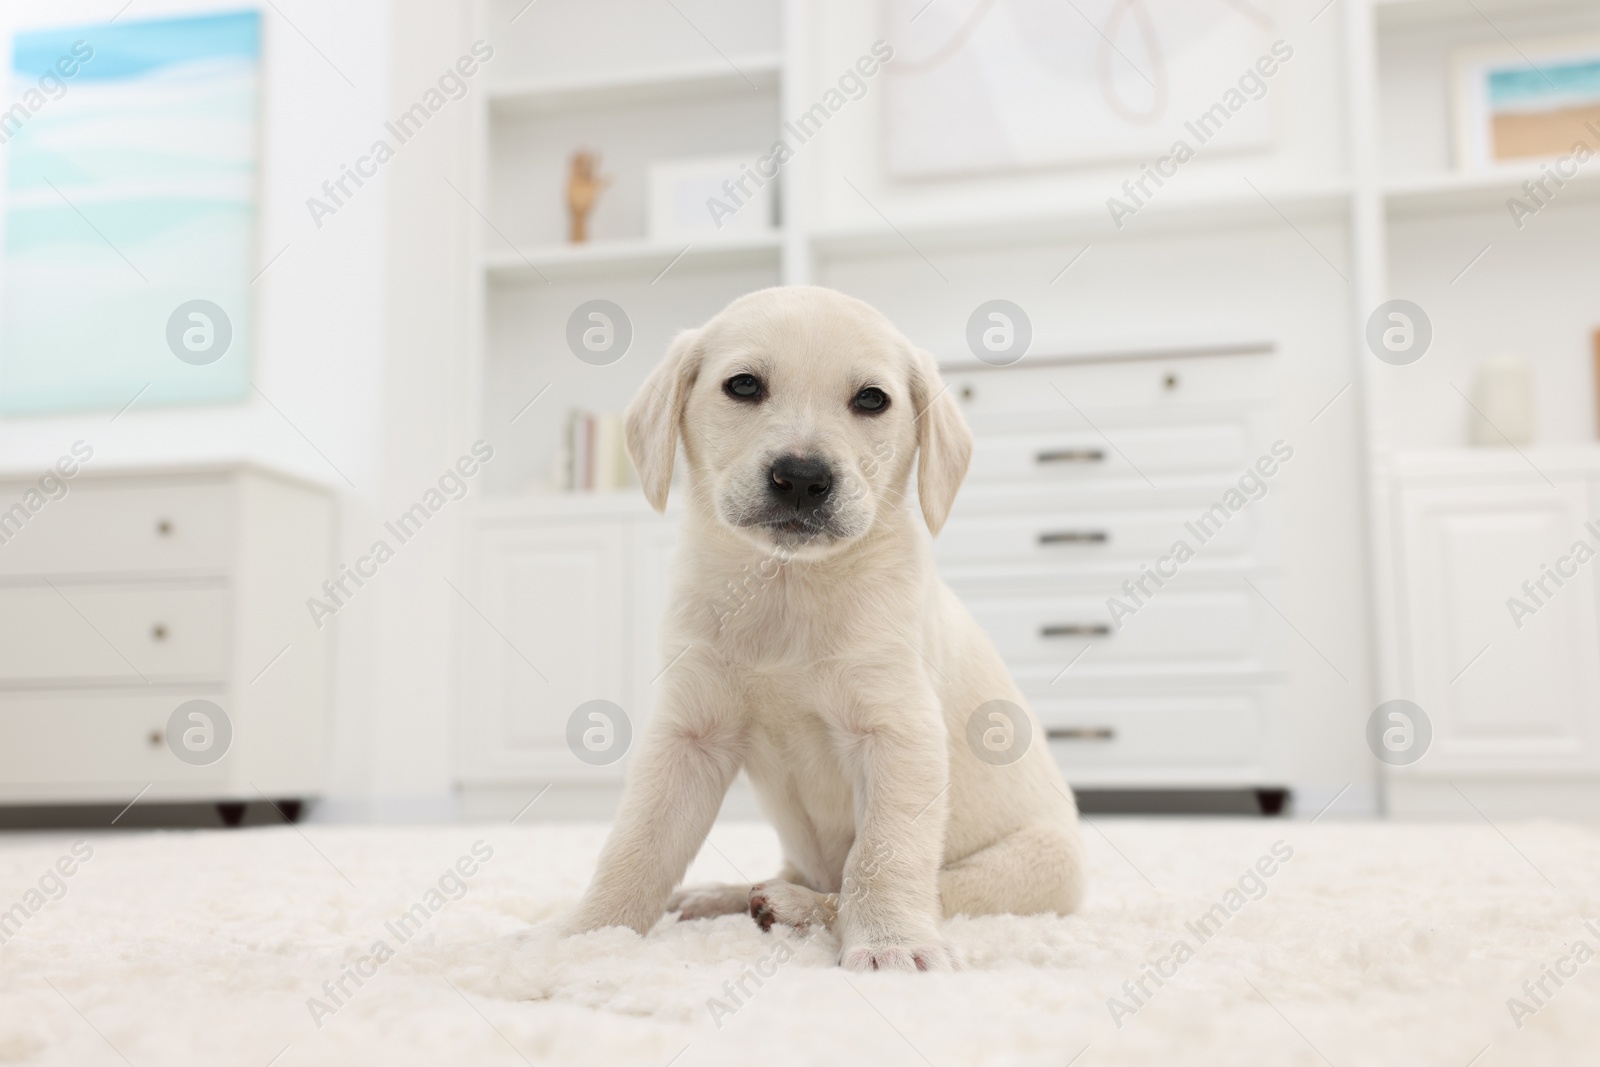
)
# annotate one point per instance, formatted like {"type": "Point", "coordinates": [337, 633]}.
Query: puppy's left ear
{"type": "Point", "coordinates": [655, 417]}
{"type": "Point", "coordinates": [944, 443]}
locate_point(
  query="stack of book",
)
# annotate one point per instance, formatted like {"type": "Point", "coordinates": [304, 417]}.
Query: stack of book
{"type": "Point", "coordinates": [593, 455]}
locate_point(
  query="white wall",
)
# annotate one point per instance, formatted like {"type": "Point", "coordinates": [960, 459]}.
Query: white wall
{"type": "Point", "coordinates": [404, 729]}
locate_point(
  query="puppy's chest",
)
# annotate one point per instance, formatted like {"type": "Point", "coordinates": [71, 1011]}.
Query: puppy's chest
{"type": "Point", "coordinates": [794, 761]}
{"type": "Point", "coordinates": [777, 623]}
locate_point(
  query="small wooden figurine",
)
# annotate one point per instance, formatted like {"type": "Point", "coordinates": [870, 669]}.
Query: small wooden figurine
{"type": "Point", "coordinates": [583, 188]}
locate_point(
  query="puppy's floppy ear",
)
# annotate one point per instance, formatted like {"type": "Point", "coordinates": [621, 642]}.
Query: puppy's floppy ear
{"type": "Point", "coordinates": [655, 416]}
{"type": "Point", "coordinates": [944, 443]}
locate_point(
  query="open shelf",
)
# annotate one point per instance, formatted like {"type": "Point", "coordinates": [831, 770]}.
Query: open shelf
{"type": "Point", "coordinates": [1090, 220]}
{"type": "Point", "coordinates": [1461, 192]}
{"type": "Point", "coordinates": [1399, 14]}
{"type": "Point", "coordinates": [634, 258]}
{"type": "Point", "coordinates": [651, 85]}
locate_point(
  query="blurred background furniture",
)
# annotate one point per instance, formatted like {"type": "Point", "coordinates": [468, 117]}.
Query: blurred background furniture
{"type": "Point", "coordinates": [1260, 666]}
{"type": "Point", "coordinates": [1084, 475]}
{"type": "Point", "coordinates": [1494, 617]}
{"type": "Point", "coordinates": [141, 590]}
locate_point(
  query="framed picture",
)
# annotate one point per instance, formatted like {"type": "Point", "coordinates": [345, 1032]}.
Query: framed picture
{"type": "Point", "coordinates": [980, 86]}
{"type": "Point", "coordinates": [130, 213]}
{"type": "Point", "coordinates": [709, 197]}
{"type": "Point", "coordinates": [1526, 102]}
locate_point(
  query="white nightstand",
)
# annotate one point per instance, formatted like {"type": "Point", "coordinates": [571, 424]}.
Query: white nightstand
{"type": "Point", "coordinates": [139, 591]}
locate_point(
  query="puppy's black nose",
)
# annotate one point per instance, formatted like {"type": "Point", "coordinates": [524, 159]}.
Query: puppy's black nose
{"type": "Point", "coordinates": [801, 480]}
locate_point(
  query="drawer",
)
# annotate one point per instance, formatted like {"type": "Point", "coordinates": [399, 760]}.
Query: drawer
{"type": "Point", "coordinates": [129, 525]}
{"type": "Point", "coordinates": [100, 633]}
{"type": "Point", "coordinates": [1075, 456]}
{"type": "Point", "coordinates": [1177, 630]}
{"type": "Point", "coordinates": [1215, 732]}
{"type": "Point", "coordinates": [92, 746]}
{"type": "Point", "coordinates": [1094, 539]}
{"type": "Point", "coordinates": [1160, 387]}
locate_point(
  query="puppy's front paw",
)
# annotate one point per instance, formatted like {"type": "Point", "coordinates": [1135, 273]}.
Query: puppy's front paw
{"type": "Point", "coordinates": [582, 921]}
{"type": "Point", "coordinates": [780, 902]}
{"type": "Point", "coordinates": [594, 915]}
{"type": "Point", "coordinates": [928, 955]}
{"type": "Point", "coordinates": [709, 901]}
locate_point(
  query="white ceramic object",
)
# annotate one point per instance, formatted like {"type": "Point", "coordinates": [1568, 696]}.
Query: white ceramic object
{"type": "Point", "coordinates": [1503, 394]}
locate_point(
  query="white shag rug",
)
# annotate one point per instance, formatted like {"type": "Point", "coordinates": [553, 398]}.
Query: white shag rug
{"type": "Point", "coordinates": [1374, 943]}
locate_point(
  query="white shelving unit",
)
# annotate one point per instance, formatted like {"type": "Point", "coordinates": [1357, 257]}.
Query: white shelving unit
{"type": "Point", "coordinates": [1355, 202]}
{"type": "Point", "coordinates": [645, 85]}
{"type": "Point", "coordinates": [1447, 240]}
{"type": "Point", "coordinates": [626, 258]}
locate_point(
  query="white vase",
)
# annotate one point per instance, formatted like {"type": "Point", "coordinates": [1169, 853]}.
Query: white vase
{"type": "Point", "coordinates": [1503, 394]}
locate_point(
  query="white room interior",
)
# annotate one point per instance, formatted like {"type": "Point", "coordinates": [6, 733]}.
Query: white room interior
{"type": "Point", "coordinates": [428, 317]}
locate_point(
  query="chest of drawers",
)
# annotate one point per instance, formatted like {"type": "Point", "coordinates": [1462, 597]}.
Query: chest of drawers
{"type": "Point", "coordinates": [124, 596]}
{"type": "Point", "coordinates": [1086, 476]}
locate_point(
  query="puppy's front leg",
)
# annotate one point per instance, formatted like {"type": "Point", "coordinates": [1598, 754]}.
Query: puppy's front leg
{"type": "Point", "coordinates": [895, 756]}
{"type": "Point", "coordinates": [675, 786]}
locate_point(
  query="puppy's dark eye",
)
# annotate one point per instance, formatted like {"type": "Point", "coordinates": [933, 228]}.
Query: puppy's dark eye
{"type": "Point", "coordinates": [744, 387]}
{"type": "Point", "coordinates": [871, 400]}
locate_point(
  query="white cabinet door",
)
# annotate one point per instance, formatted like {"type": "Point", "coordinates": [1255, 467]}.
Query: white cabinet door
{"type": "Point", "coordinates": [542, 633]}
{"type": "Point", "coordinates": [1507, 688]}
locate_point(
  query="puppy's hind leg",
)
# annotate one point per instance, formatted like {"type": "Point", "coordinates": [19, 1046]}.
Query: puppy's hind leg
{"type": "Point", "coordinates": [1035, 870]}
{"type": "Point", "coordinates": [789, 904]}
{"type": "Point", "coordinates": [781, 900]}
{"type": "Point", "coordinates": [709, 901]}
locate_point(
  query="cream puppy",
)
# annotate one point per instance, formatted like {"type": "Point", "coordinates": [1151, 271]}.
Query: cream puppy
{"type": "Point", "coordinates": [813, 645]}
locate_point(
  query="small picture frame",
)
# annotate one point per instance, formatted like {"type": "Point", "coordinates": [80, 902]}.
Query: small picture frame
{"type": "Point", "coordinates": [709, 198]}
{"type": "Point", "coordinates": [1520, 104]}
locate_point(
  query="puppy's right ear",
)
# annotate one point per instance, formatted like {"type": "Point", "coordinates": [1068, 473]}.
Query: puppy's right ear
{"type": "Point", "coordinates": [655, 416]}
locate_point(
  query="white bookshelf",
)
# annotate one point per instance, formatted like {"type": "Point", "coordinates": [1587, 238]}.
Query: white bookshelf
{"type": "Point", "coordinates": [1476, 193]}
{"type": "Point", "coordinates": [629, 258]}
{"type": "Point", "coordinates": [647, 84]}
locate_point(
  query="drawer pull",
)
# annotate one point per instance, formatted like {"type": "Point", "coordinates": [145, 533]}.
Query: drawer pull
{"type": "Point", "coordinates": [164, 528]}
{"type": "Point", "coordinates": [158, 632]}
{"type": "Point", "coordinates": [1074, 537]}
{"type": "Point", "coordinates": [156, 737]}
{"type": "Point", "coordinates": [1073, 455]}
{"type": "Point", "coordinates": [1082, 733]}
{"type": "Point", "coordinates": [1076, 629]}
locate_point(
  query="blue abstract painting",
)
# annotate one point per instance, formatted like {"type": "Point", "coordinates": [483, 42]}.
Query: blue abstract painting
{"type": "Point", "coordinates": [130, 154]}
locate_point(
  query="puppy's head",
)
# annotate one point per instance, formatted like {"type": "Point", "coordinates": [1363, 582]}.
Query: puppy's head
{"type": "Point", "coordinates": [800, 410]}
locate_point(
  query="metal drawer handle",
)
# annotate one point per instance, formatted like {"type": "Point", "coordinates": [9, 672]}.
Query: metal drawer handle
{"type": "Point", "coordinates": [158, 632]}
{"type": "Point", "coordinates": [1076, 629]}
{"type": "Point", "coordinates": [1082, 733]}
{"type": "Point", "coordinates": [164, 528]}
{"type": "Point", "coordinates": [1073, 455]}
{"type": "Point", "coordinates": [1074, 537]}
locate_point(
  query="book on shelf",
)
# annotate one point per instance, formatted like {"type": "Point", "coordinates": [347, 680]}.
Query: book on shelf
{"type": "Point", "coordinates": [593, 455]}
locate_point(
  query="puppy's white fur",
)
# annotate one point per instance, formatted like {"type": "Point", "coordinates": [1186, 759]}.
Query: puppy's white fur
{"type": "Point", "coordinates": [830, 663]}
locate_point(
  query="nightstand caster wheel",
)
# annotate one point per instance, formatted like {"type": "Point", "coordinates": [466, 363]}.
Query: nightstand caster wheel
{"type": "Point", "coordinates": [232, 812]}
{"type": "Point", "coordinates": [1271, 801]}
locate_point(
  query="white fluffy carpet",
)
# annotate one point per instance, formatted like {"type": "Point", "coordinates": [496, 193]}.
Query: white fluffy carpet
{"type": "Point", "coordinates": [1374, 944]}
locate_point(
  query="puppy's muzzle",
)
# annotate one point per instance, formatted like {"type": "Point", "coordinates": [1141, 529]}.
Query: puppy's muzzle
{"type": "Point", "coordinates": [800, 483]}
